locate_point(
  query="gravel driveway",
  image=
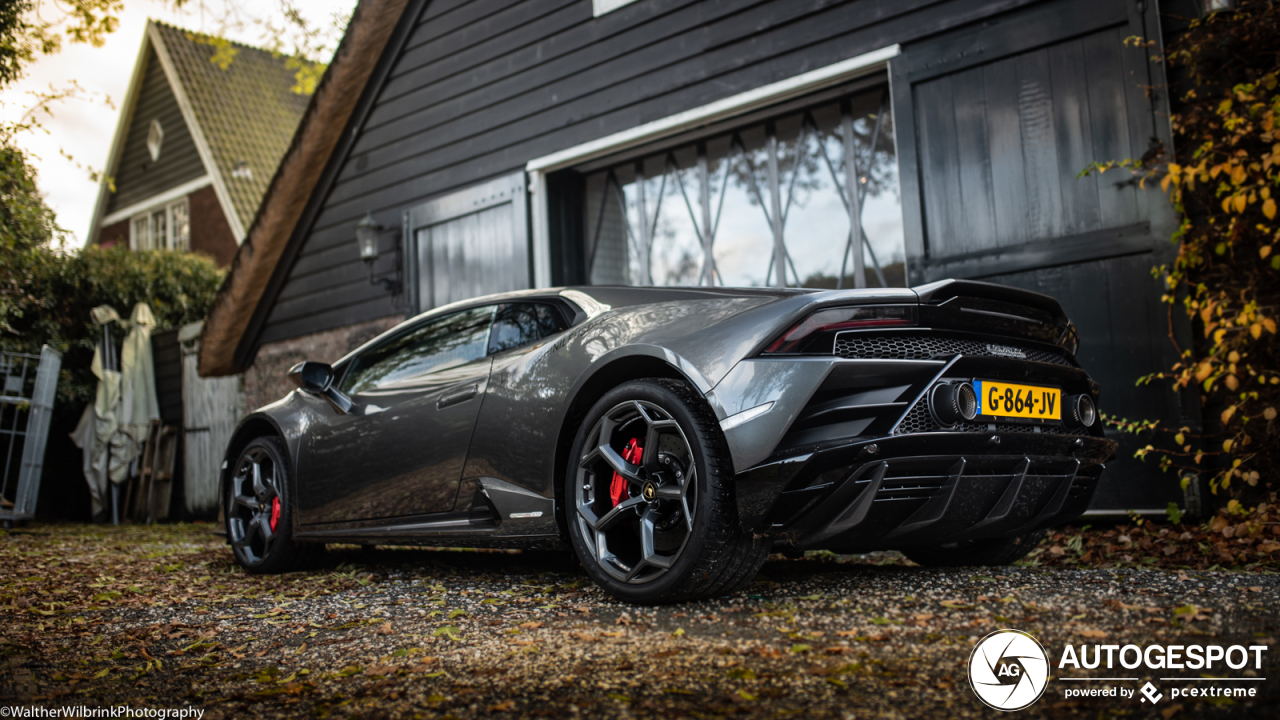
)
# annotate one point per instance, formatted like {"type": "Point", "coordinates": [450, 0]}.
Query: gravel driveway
{"type": "Point", "coordinates": [159, 617]}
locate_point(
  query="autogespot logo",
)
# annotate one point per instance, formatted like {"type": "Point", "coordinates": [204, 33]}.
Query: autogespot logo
{"type": "Point", "coordinates": [1009, 670]}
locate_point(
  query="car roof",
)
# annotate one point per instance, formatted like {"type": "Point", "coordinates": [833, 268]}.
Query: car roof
{"type": "Point", "coordinates": [590, 300]}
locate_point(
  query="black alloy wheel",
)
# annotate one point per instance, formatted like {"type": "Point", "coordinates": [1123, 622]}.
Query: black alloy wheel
{"type": "Point", "coordinates": [257, 510]}
{"type": "Point", "coordinates": [650, 492]}
{"type": "Point", "coordinates": [650, 507]}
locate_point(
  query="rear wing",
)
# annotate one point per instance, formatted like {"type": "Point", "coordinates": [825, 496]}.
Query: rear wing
{"type": "Point", "coordinates": [971, 304]}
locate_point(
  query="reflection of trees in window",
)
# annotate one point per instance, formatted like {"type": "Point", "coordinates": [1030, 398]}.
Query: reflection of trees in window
{"type": "Point", "coordinates": [705, 213]}
{"type": "Point", "coordinates": [809, 159]}
{"type": "Point", "coordinates": [519, 324]}
{"type": "Point", "coordinates": [444, 343]}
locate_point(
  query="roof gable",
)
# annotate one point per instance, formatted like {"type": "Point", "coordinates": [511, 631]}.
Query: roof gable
{"type": "Point", "coordinates": [139, 176]}
{"type": "Point", "coordinates": [240, 116]}
{"type": "Point", "coordinates": [247, 112]}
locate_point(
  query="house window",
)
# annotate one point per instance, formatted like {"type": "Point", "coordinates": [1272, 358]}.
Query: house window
{"type": "Point", "coordinates": [179, 226]}
{"type": "Point", "coordinates": [167, 227]}
{"type": "Point", "coordinates": [809, 198]}
{"type": "Point", "coordinates": [140, 237]}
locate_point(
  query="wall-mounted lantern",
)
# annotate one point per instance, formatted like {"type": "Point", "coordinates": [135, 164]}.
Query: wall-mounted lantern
{"type": "Point", "coordinates": [1208, 7]}
{"type": "Point", "coordinates": [367, 232]}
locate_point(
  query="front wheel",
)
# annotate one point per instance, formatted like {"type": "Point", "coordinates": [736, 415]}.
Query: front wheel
{"type": "Point", "coordinates": [650, 504]}
{"type": "Point", "coordinates": [259, 514]}
{"type": "Point", "coordinates": [995, 551]}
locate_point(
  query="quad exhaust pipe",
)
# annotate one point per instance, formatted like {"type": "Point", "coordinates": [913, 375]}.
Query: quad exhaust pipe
{"type": "Point", "coordinates": [1078, 411]}
{"type": "Point", "coordinates": [953, 403]}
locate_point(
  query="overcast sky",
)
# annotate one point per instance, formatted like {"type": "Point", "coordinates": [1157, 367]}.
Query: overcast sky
{"type": "Point", "coordinates": [83, 128]}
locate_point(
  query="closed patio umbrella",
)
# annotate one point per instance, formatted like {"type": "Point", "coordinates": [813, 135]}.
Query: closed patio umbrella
{"type": "Point", "coordinates": [113, 429]}
{"type": "Point", "coordinates": [100, 420]}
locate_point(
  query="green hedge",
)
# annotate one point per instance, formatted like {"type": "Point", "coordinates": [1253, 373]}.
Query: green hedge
{"type": "Point", "coordinates": [46, 297]}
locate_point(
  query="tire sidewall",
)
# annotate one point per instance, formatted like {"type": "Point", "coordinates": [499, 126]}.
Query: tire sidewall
{"type": "Point", "coordinates": [280, 556]}
{"type": "Point", "coordinates": [669, 584]}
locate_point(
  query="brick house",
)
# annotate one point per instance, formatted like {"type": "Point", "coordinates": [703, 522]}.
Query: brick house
{"type": "Point", "coordinates": [201, 131]}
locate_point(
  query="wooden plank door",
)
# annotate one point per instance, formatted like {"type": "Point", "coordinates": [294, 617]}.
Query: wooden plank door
{"type": "Point", "coordinates": [995, 125]}
{"type": "Point", "coordinates": [469, 243]}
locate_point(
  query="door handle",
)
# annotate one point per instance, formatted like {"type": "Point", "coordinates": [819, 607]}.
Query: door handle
{"type": "Point", "coordinates": [457, 396]}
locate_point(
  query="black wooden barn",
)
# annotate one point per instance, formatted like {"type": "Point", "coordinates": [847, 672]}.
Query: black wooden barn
{"type": "Point", "coordinates": [503, 144]}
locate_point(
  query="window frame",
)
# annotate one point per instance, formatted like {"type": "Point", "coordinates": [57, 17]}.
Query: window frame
{"type": "Point", "coordinates": [169, 241]}
{"type": "Point", "coordinates": [733, 108]}
{"type": "Point", "coordinates": [566, 319]}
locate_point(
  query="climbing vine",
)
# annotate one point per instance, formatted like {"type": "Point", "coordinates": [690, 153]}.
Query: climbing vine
{"type": "Point", "coordinates": [1223, 183]}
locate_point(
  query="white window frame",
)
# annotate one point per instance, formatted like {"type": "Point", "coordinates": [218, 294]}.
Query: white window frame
{"type": "Point", "coordinates": [538, 168]}
{"type": "Point", "coordinates": [171, 240]}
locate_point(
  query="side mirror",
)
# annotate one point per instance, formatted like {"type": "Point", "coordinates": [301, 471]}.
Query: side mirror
{"type": "Point", "coordinates": [312, 376]}
{"type": "Point", "coordinates": [317, 377]}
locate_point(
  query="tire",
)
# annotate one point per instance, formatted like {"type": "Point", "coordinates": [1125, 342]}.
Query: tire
{"type": "Point", "coordinates": [260, 514]}
{"type": "Point", "coordinates": [996, 551]}
{"type": "Point", "coordinates": [667, 529]}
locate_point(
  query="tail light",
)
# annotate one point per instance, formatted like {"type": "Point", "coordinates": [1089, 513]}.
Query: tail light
{"type": "Point", "coordinates": [814, 333]}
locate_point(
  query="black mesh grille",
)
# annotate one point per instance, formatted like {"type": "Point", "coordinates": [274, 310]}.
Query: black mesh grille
{"type": "Point", "coordinates": [923, 347]}
{"type": "Point", "coordinates": [919, 420]}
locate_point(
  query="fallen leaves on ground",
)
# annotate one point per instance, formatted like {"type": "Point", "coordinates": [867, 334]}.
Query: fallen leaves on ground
{"type": "Point", "coordinates": [160, 616]}
{"type": "Point", "coordinates": [1236, 537]}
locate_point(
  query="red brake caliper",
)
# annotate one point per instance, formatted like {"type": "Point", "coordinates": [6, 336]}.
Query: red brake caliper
{"type": "Point", "coordinates": [632, 453]}
{"type": "Point", "coordinates": [275, 512]}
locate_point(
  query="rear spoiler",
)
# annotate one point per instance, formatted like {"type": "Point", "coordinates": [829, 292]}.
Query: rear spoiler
{"type": "Point", "coordinates": [937, 293]}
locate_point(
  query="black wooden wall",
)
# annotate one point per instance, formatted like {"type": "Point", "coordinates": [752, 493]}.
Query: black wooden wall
{"type": "Point", "coordinates": [138, 177]}
{"type": "Point", "coordinates": [998, 105]}
{"type": "Point", "coordinates": [479, 88]}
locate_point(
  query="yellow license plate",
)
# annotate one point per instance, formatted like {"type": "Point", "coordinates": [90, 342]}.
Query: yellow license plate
{"type": "Point", "coordinates": [1023, 402]}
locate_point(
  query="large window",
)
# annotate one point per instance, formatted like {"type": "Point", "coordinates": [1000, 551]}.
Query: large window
{"type": "Point", "coordinates": [766, 204]}
{"type": "Point", "coordinates": [165, 228]}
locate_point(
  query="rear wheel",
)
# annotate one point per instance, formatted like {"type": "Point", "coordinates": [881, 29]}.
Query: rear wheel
{"type": "Point", "coordinates": [650, 503]}
{"type": "Point", "coordinates": [259, 514]}
{"type": "Point", "coordinates": [996, 551]}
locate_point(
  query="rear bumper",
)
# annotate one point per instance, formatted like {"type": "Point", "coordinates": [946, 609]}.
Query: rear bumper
{"type": "Point", "coordinates": [922, 489]}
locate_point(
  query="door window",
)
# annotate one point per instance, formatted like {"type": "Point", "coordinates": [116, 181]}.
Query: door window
{"type": "Point", "coordinates": [438, 345]}
{"type": "Point", "coordinates": [519, 324]}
